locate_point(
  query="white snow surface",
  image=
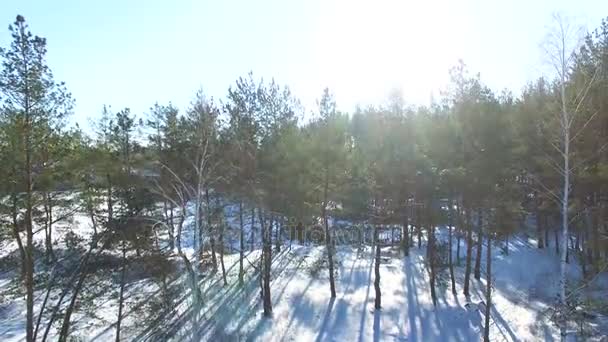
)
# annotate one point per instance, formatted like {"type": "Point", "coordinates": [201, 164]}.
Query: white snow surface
{"type": "Point", "coordinates": [525, 285]}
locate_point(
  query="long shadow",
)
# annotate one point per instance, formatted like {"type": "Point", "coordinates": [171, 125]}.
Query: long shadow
{"type": "Point", "coordinates": [279, 265]}
{"type": "Point", "coordinates": [296, 304]}
{"type": "Point", "coordinates": [500, 321]}
{"type": "Point", "coordinates": [277, 297]}
{"type": "Point", "coordinates": [258, 327]}
{"type": "Point", "coordinates": [350, 275]}
{"type": "Point", "coordinates": [323, 329]}
{"type": "Point", "coordinates": [412, 297]}
{"type": "Point", "coordinates": [364, 310]}
{"type": "Point", "coordinates": [377, 325]}
{"type": "Point", "coordinates": [152, 328]}
{"type": "Point", "coordinates": [226, 308]}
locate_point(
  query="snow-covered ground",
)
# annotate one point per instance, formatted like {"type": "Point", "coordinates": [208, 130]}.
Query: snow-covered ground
{"type": "Point", "coordinates": [525, 284]}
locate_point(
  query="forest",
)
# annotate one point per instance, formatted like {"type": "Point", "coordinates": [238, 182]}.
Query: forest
{"type": "Point", "coordinates": [483, 215]}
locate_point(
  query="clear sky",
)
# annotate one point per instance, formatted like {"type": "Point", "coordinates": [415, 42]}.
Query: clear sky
{"type": "Point", "coordinates": [129, 53]}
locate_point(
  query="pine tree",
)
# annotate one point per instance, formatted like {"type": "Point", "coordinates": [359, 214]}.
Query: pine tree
{"type": "Point", "coordinates": [36, 104]}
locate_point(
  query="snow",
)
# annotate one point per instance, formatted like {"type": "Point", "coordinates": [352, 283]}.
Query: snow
{"type": "Point", "coordinates": [525, 286]}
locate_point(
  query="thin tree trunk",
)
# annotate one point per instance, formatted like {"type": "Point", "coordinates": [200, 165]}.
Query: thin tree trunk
{"type": "Point", "coordinates": [419, 226]}
{"type": "Point", "coordinates": [110, 200]}
{"type": "Point", "coordinates": [83, 268]}
{"type": "Point", "coordinates": [48, 227]}
{"type": "Point", "coordinates": [477, 272]}
{"type": "Point", "coordinates": [211, 233]}
{"type": "Point", "coordinates": [597, 239]}
{"type": "Point", "coordinates": [405, 233]}
{"type": "Point", "coordinates": [267, 255]}
{"type": "Point", "coordinates": [539, 227]}
{"type": "Point", "coordinates": [277, 236]}
{"type": "Point", "coordinates": [546, 230]}
{"type": "Point", "coordinates": [65, 326]}
{"type": "Point", "coordinates": [458, 240]}
{"type": "Point", "coordinates": [242, 243]}
{"type": "Point", "coordinates": [91, 212]}
{"type": "Point", "coordinates": [29, 247]}
{"type": "Point", "coordinates": [556, 242]}
{"type": "Point", "coordinates": [170, 227]}
{"type": "Point", "coordinates": [65, 291]}
{"type": "Point", "coordinates": [459, 232]}
{"type": "Point", "coordinates": [17, 235]}
{"type": "Point", "coordinates": [378, 298]}
{"type": "Point", "coordinates": [29, 252]}
{"type": "Point", "coordinates": [122, 290]}
{"type": "Point", "coordinates": [467, 269]}
{"type": "Point", "coordinates": [252, 229]}
{"type": "Point", "coordinates": [200, 217]}
{"type": "Point", "coordinates": [221, 250]}
{"type": "Point", "coordinates": [180, 226]}
{"type": "Point", "coordinates": [566, 191]}
{"type": "Point", "coordinates": [450, 228]}
{"type": "Point", "coordinates": [486, 334]}
{"type": "Point", "coordinates": [431, 249]}
{"type": "Point", "coordinates": [332, 285]}
{"type": "Point", "coordinates": [44, 302]}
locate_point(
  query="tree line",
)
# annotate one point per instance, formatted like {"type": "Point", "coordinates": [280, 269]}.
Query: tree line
{"type": "Point", "coordinates": [476, 165]}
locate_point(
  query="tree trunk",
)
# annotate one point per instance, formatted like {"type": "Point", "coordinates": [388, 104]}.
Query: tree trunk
{"type": "Point", "coordinates": [566, 188]}
{"type": "Point", "coordinates": [91, 211]}
{"type": "Point", "coordinates": [180, 226]}
{"type": "Point", "coordinates": [199, 227]}
{"type": "Point", "coordinates": [122, 290]}
{"type": "Point", "coordinates": [556, 242]}
{"type": "Point", "coordinates": [459, 233]}
{"type": "Point", "coordinates": [242, 243]}
{"type": "Point", "coordinates": [221, 249]}
{"type": "Point", "coordinates": [477, 272]}
{"type": "Point", "coordinates": [539, 227]}
{"type": "Point", "coordinates": [221, 252]}
{"type": "Point", "coordinates": [328, 242]}
{"type": "Point", "coordinates": [211, 233]}
{"type": "Point", "coordinates": [450, 228]}
{"type": "Point", "coordinates": [467, 269]}
{"type": "Point", "coordinates": [431, 254]}
{"type": "Point", "coordinates": [597, 239]}
{"type": "Point", "coordinates": [170, 227]}
{"type": "Point", "coordinates": [486, 334]}
{"type": "Point", "coordinates": [110, 200]}
{"type": "Point", "coordinates": [277, 236]}
{"type": "Point", "coordinates": [378, 299]}
{"type": "Point", "coordinates": [65, 326]}
{"type": "Point", "coordinates": [17, 235]}
{"type": "Point", "coordinates": [267, 258]}
{"type": "Point", "coordinates": [65, 291]}
{"type": "Point", "coordinates": [29, 250]}
{"type": "Point", "coordinates": [458, 240]}
{"type": "Point", "coordinates": [252, 229]}
{"type": "Point", "coordinates": [48, 227]}
{"type": "Point", "coordinates": [405, 233]}
{"type": "Point", "coordinates": [43, 306]}
{"type": "Point", "coordinates": [332, 284]}
{"type": "Point", "coordinates": [546, 230]}
{"type": "Point", "coordinates": [418, 226]}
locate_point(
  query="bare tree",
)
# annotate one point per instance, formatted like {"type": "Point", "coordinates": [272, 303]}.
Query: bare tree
{"type": "Point", "coordinates": [561, 45]}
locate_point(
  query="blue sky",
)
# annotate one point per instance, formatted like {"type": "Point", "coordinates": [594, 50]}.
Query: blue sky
{"type": "Point", "coordinates": [135, 53]}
